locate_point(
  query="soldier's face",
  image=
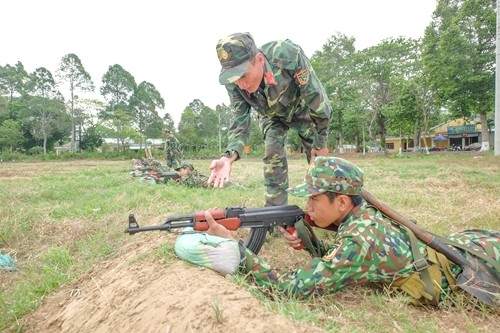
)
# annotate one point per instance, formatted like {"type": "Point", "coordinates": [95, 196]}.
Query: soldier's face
{"type": "Point", "coordinates": [251, 80]}
{"type": "Point", "coordinates": [325, 212]}
{"type": "Point", "coordinates": [184, 172]}
{"type": "Point", "coordinates": [321, 210]}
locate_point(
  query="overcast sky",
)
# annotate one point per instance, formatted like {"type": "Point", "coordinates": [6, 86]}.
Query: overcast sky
{"type": "Point", "coordinates": [171, 44]}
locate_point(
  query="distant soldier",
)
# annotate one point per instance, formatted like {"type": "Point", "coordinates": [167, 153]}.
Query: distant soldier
{"type": "Point", "coordinates": [172, 150]}
{"type": "Point", "coordinates": [191, 177]}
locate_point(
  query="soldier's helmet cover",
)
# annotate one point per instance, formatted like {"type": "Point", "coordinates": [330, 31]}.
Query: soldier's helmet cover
{"type": "Point", "coordinates": [330, 174]}
{"type": "Point", "coordinates": [235, 53]}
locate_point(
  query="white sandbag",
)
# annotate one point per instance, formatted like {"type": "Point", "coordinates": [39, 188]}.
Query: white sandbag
{"type": "Point", "coordinates": [219, 254]}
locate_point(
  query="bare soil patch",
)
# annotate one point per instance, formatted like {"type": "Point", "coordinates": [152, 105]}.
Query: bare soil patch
{"type": "Point", "coordinates": [127, 294]}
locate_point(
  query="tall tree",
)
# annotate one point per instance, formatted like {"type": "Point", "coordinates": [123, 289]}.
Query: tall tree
{"type": "Point", "coordinates": [381, 68]}
{"type": "Point", "coordinates": [146, 101]}
{"type": "Point", "coordinates": [335, 67]}
{"type": "Point", "coordinates": [459, 54]}
{"type": "Point", "coordinates": [197, 125]}
{"type": "Point", "coordinates": [45, 105]}
{"type": "Point", "coordinates": [72, 73]}
{"type": "Point", "coordinates": [118, 86]}
{"type": "Point", "coordinates": [13, 82]}
{"type": "Point", "coordinates": [168, 122]}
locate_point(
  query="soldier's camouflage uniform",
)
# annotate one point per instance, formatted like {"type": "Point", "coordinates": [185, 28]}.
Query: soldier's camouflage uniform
{"type": "Point", "coordinates": [291, 97]}
{"type": "Point", "coordinates": [194, 179]}
{"type": "Point", "coordinates": [172, 152]}
{"type": "Point", "coordinates": [368, 247]}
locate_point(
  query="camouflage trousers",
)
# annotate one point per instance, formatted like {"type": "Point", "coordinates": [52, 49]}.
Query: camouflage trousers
{"type": "Point", "coordinates": [173, 162]}
{"type": "Point", "coordinates": [275, 161]}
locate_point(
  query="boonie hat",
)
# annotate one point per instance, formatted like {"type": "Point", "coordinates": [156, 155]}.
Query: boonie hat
{"type": "Point", "coordinates": [185, 165]}
{"type": "Point", "coordinates": [235, 52]}
{"type": "Point", "coordinates": [333, 174]}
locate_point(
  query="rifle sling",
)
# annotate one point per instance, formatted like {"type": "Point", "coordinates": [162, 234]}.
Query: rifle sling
{"type": "Point", "coordinates": [422, 266]}
{"type": "Point", "coordinates": [307, 236]}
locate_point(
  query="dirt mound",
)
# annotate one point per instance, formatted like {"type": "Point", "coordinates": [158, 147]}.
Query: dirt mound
{"type": "Point", "coordinates": [136, 292]}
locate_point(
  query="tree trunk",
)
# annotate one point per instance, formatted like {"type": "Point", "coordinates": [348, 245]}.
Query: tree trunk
{"type": "Point", "coordinates": [485, 135]}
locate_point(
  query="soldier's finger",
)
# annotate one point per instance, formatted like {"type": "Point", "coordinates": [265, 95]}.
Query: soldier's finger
{"type": "Point", "coordinates": [221, 182]}
{"type": "Point", "coordinates": [215, 182]}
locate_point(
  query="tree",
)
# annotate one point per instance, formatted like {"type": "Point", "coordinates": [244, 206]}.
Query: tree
{"type": "Point", "coordinates": [459, 56]}
{"type": "Point", "coordinates": [382, 69]}
{"type": "Point", "coordinates": [168, 122]}
{"type": "Point", "coordinates": [45, 106]}
{"type": "Point", "coordinates": [117, 88]}
{"type": "Point", "coordinates": [198, 123]}
{"type": "Point", "coordinates": [335, 67]}
{"type": "Point", "coordinates": [120, 125]}
{"type": "Point", "coordinates": [72, 73]}
{"type": "Point", "coordinates": [12, 82]}
{"type": "Point", "coordinates": [91, 139]}
{"type": "Point", "coordinates": [145, 101]}
{"type": "Point", "coordinates": [11, 135]}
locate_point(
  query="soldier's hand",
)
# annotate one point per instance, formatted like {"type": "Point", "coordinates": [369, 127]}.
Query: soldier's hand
{"type": "Point", "coordinates": [292, 239]}
{"type": "Point", "coordinates": [220, 174]}
{"type": "Point", "coordinates": [216, 229]}
{"type": "Point", "coordinates": [318, 152]}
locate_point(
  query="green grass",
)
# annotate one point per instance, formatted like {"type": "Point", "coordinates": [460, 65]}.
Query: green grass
{"type": "Point", "coordinates": [59, 219]}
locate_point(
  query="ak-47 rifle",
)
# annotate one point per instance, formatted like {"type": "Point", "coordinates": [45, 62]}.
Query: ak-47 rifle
{"type": "Point", "coordinates": [232, 218]}
{"type": "Point", "coordinates": [169, 175]}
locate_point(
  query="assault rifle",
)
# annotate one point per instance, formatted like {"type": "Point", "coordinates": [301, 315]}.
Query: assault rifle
{"type": "Point", "coordinates": [232, 218]}
{"type": "Point", "coordinates": [169, 175]}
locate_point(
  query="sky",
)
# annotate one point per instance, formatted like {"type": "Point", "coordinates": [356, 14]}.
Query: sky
{"type": "Point", "coordinates": [171, 44]}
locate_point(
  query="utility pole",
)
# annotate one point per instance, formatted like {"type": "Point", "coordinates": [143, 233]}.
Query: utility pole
{"type": "Point", "coordinates": [497, 87]}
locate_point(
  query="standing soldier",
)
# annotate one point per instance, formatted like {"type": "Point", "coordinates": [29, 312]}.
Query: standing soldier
{"type": "Point", "coordinates": [172, 150]}
{"type": "Point", "coordinates": [279, 83]}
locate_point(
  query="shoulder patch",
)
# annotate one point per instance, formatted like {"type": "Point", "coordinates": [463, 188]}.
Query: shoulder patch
{"type": "Point", "coordinates": [331, 255]}
{"type": "Point", "coordinates": [302, 77]}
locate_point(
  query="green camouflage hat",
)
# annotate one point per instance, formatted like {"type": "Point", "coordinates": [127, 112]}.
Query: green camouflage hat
{"type": "Point", "coordinates": [235, 52]}
{"type": "Point", "coordinates": [185, 165]}
{"type": "Point", "coordinates": [331, 174]}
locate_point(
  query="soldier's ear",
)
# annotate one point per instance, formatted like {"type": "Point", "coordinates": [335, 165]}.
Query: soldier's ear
{"type": "Point", "coordinates": [344, 202]}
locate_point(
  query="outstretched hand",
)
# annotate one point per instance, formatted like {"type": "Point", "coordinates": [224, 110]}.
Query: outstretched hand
{"type": "Point", "coordinates": [221, 171]}
{"type": "Point", "coordinates": [216, 229]}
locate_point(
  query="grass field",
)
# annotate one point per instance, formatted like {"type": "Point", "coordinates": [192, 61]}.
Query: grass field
{"type": "Point", "coordinates": [59, 219]}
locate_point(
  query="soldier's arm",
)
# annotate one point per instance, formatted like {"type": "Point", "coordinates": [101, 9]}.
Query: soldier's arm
{"type": "Point", "coordinates": [239, 128]}
{"type": "Point", "coordinates": [315, 97]}
{"type": "Point", "coordinates": [342, 266]}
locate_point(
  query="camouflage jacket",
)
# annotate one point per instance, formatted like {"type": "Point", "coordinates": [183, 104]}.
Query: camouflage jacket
{"type": "Point", "coordinates": [172, 145]}
{"type": "Point", "coordinates": [194, 179]}
{"type": "Point", "coordinates": [367, 248]}
{"type": "Point", "coordinates": [290, 87]}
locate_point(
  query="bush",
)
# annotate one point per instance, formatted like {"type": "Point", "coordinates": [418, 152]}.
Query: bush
{"type": "Point", "coordinates": [35, 150]}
